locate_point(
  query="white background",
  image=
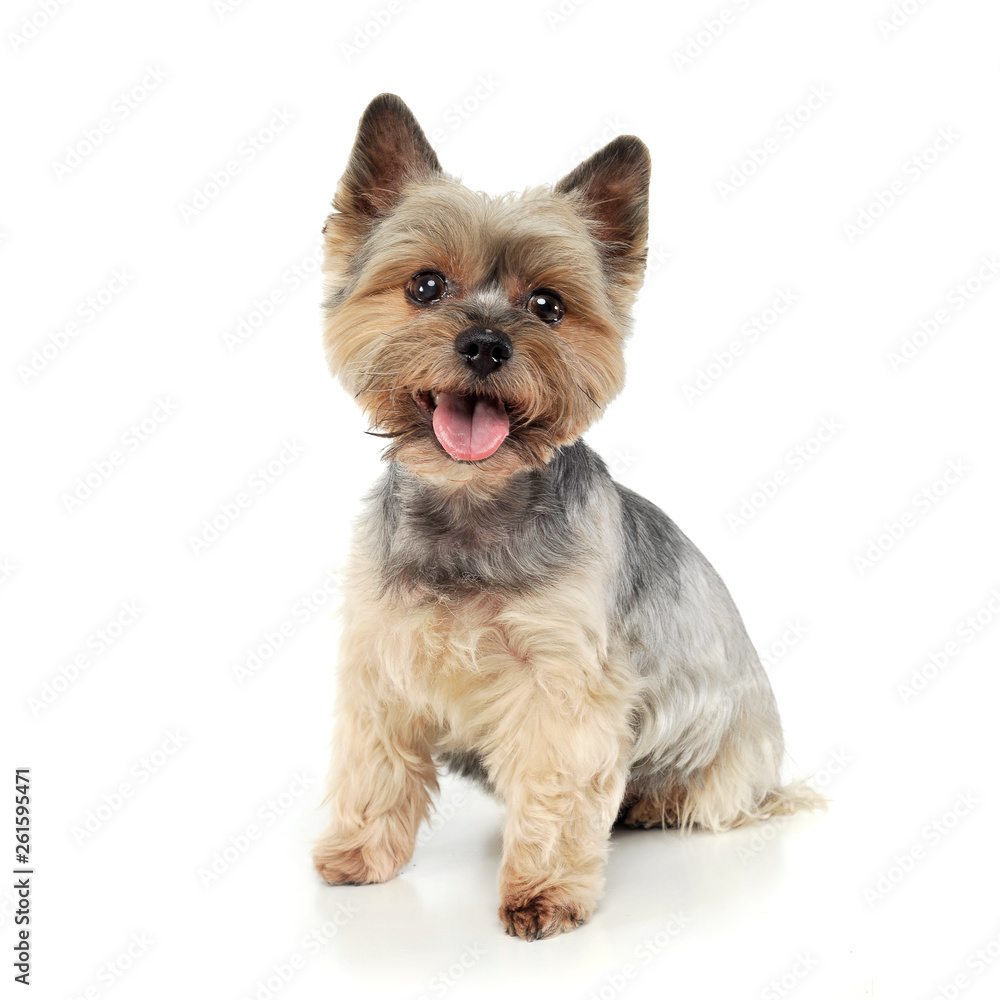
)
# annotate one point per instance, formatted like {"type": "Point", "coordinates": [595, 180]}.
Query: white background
{"type": "Point", "coordinates": [892, 893]}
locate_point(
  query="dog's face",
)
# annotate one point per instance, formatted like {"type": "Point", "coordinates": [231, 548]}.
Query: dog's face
{"type": "Point", "coordinates": [479, 334]}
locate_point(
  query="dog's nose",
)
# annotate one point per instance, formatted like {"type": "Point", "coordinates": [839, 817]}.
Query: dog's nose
{"type": "Point", "coordinates": [484, 350]}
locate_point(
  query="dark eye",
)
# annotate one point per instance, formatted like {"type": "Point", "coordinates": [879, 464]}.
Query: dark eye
{"type": "Point", "coordinates": [428, 286]}
{"type": "Point", "coordinates": [547, 306]}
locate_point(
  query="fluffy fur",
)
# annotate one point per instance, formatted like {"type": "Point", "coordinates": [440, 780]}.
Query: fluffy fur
{"type": "Point", "coordinates": [522, 619]}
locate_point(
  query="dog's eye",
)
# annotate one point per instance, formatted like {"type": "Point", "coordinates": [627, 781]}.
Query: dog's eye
{"type": "Point", "coordinates": [428, 286]}
{"type": "Point", "coordinates": [547, 306]}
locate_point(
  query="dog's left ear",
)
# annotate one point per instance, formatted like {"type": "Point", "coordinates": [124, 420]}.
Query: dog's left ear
{"type": "Point", "coordinates": [611, 190]}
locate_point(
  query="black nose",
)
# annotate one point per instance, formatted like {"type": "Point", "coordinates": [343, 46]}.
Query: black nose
{"type": "Point", "coordinates": [484, 350]}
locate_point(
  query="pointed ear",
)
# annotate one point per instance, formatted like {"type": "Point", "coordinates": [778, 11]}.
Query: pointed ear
{"type": "Point", "coordinates": [612, 191]}
{"type": "Point", "coordinates": [390, 151]}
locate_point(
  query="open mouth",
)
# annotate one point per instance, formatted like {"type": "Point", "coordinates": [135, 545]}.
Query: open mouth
{"type": "Point", "coordinates": [468, 426]}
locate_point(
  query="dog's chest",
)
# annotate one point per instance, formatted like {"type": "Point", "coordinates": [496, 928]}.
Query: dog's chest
{"type": "Point", "coordinates": [449, 630]}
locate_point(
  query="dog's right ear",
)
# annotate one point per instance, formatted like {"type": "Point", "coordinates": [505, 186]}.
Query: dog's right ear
{"type": "Point", "coordinates": [389, 152]}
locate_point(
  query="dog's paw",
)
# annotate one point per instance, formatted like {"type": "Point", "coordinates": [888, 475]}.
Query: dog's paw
{"type": "Point", "coordinates": [343, 865]}
{"type": "Point", "coordinates": [649, 812]}
{"type": "Point", "coordinates": [551, 911]}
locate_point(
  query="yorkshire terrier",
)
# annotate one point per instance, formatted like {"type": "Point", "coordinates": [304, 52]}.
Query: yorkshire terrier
{"type": "Point", "coordinates": [512, 613]}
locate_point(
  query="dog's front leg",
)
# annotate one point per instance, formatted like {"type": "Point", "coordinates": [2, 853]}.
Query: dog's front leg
{"type": "Point", "coordinates": [380, 784]}
{"type": "Point", "coordinates": [561, 767]}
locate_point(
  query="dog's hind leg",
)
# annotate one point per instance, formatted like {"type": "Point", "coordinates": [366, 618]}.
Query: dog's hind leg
{"type": "Point", "coordinates": [740, 785]}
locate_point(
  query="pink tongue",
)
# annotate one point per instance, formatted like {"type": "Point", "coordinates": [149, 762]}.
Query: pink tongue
{"type": "Point", "coordinates": [470, 428]}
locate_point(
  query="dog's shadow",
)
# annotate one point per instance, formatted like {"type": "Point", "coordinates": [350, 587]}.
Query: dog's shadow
{"type": "Point", "coordinates": [722, 878]}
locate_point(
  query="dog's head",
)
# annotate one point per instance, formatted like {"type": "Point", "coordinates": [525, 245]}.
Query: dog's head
{"type": "Point", "coordinates": [479, 334]}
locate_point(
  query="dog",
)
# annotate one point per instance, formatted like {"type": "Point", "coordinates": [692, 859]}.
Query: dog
{"type": "Point", "coordinates": [511, 612]}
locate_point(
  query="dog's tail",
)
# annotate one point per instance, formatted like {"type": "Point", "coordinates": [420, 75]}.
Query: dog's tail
{"type": "Point", "coordinates": [799, 796]}
{"type": "Point", "coordinates": [713, 802]}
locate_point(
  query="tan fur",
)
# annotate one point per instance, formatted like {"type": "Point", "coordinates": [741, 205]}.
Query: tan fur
{"type": "Point", "coordinates": [531, 681]}
{"type": "Point", "coordinates": [383, 353]}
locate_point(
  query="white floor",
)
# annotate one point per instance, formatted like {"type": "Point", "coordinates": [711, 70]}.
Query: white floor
{"type": "Point", "coordinates": [758, 913]}
{"type": "Point", "coordinates": [674, 905]}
